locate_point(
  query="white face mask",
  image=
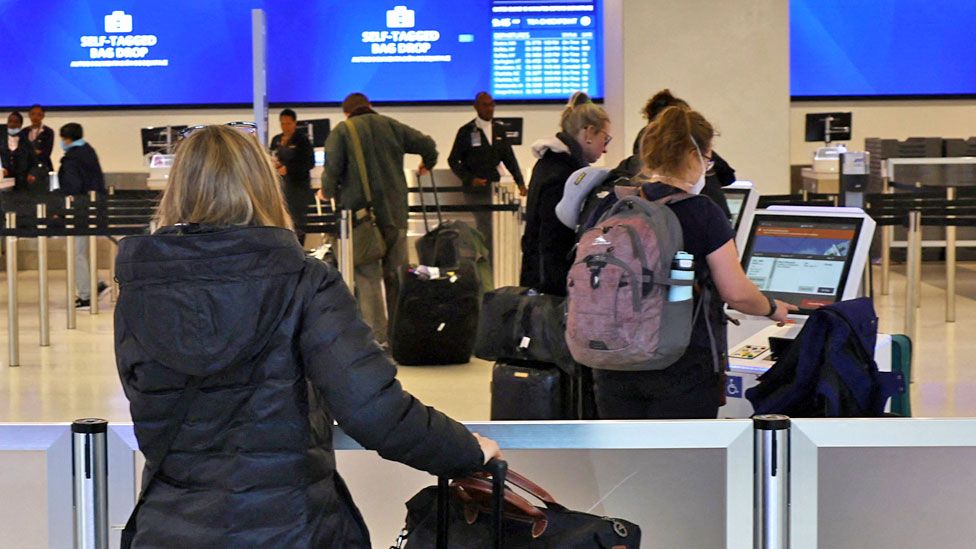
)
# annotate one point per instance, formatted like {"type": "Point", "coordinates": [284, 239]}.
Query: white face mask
{"type": "Point", "coordinates": [700, 184]}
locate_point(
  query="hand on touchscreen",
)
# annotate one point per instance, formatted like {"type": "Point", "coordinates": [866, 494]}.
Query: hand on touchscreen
{"type": "Point", "coordinates": [783, 309]}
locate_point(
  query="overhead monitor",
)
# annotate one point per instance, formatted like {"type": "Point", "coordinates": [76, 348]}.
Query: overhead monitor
{"type": "Point", "coordinates": [876, 49]}
{"type": "Point", "coordinates": [106, 53]}
{"type": "Point", "coordinates": [810, 257]}
{"type": "Point", "coordinates": [742, 199]}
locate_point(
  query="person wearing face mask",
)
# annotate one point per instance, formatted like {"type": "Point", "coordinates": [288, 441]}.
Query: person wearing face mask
{"type": "Point", "coordinates": [676, 149]}
{"type": "Point", "coordinates": [15, 153]}
{"type": "Point", "coordinates": [79, 174]}
{"type": "Point", "coordinates": [41, 141]}
{"type": "Point", "coordinates": [547, 243]}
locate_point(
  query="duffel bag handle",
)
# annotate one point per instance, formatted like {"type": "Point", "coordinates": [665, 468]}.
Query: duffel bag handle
{"type": "Point", "coordinates": [476, 494]}
{"type": "Point", "coordinates": [529, 487]}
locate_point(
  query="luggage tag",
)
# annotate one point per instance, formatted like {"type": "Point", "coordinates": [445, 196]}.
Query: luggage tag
{"type": "Point", "coordinates": [441, 327]}
{"type": "Point", "coordinates": [524, 344]}
{"type": "Point", "coordinates": [476, 138]}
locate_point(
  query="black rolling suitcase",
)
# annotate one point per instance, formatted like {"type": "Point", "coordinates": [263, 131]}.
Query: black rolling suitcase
{"type": "Point", "coordinates": [452, 242]}
{"type": "Point", "coordinates": [436, 319]}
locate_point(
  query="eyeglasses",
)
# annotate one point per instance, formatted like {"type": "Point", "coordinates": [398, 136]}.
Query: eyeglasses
{"type": "Point", "coordinates": [607, 139]}
{"type": "Point", "coordinates": [249, 128]}
{"type": "Point", "coordinates": [710, 162]}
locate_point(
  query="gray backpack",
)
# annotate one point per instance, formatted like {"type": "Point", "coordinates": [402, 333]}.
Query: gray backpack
{"type": "Point", "coordinates": [619, 316]}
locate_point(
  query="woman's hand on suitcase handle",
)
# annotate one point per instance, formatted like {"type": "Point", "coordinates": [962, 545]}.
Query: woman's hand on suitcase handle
{"type": "Point", "coordinates": [489, 448]}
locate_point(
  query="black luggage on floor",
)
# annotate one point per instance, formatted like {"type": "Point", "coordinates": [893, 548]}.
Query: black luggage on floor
{"type": "Point", "coordinates": [520, 323]}
{"type": "Point", "coordinates": [452, 242]}
{"type": "Point", "coordinates": [436, 319]}
{"type": "Point", "coordinates": [531, 391]}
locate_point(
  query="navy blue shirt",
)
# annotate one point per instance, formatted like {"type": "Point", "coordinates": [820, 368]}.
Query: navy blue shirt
{"type": "Point", "coordinates": [705, 229]}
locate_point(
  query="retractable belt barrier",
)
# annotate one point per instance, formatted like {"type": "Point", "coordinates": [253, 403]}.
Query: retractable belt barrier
{"type": "Point", "coordinates": [117, 214]}
{"type": "Point", "coordinates": [803, 199]}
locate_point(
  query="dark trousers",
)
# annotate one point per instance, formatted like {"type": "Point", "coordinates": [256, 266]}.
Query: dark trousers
{"type": "Point", "coordinates": [689, 389]}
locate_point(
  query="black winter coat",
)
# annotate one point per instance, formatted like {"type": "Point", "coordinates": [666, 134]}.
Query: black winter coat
{"type": "Point", "coordinates": [80, 171]}
{"type": "Point", "coordinates": [284, 351]}
{"type": "Point", "coordinates": [547, 243]}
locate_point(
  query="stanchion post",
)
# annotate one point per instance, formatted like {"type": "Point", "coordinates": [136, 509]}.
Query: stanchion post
{"type": "Point", "coordinates": [950, 264]}
{"type": "Point", "coordinates": [910, 311]}
{"type": "Point", "coordinates": [497, 245]}
{"type": "Point", "coordinates": [507, 239]}
{"type": "Point", "coordinates": [92, 253]}
{"type": "Point", "coordinates": [89, 444]}
{"type": "Point", "coordinates": [43, 306]}
{"type": "Point", "coordinates": [919, 258]}
{"type": "Point", "coordinates": [346, 264]}
{"type": "Point", "coordinates": [70, 263]}
{"type": "Point", "coordinates": [887, 233]}
{"type": "Point", "coordinates": [13, 321]}
{"type": "Point", "coordinates": [514, 237]}
{"type": "Point", "coordinates": [113, 253]}
{"type": "Point", "coordinates": [771, 473]}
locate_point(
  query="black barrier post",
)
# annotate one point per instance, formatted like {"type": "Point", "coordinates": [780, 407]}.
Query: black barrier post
{"type": "Point", "coordinates": [772, 478]}
{"type": "Point", "coordinates": [90, 465]}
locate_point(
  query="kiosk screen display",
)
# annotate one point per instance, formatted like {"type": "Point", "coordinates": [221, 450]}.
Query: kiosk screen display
{"type": "Point", "coordinates": [801, 260]}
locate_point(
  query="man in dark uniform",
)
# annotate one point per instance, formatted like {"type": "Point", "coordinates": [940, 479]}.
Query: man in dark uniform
{"type": "Point", "coordinates": [294, 159]}
{"type": "Point", "coordinates": [41, 140]}
{"type": "Point", "coordinates": [479, 148]}
{"type": "Point", "coordinates": [16, 152]}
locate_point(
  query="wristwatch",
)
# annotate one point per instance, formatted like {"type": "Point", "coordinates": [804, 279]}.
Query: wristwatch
{"type": "Point", "coordinates": [773, 307]}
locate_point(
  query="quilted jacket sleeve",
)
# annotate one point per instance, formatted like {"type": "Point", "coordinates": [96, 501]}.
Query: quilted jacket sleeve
{"type": "Point", "coordinates": [360, 388]}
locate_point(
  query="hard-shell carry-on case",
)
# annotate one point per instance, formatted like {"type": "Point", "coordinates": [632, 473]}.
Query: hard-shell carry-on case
{"type": "Point", "coordinates": [484, 511]}
{"type": "Point", "coordinates": [531, 391]}
{"type": "Point", "coordinates": [436, 318]}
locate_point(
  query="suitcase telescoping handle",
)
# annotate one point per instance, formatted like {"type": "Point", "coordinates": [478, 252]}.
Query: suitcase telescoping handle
{"type": "Point", "coordinates": [498, 469]}
{"type": "Point", "coordinates": [437, 200]}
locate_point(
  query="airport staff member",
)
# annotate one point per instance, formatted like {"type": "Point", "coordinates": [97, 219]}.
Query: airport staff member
{"type": "Point", "coordinates": [382, 143]}
{"type": "Point", "coordinates": [479, 148]}
{"type": "Point", "coordinates": [294, 159]}
{"type": "Point", "coordinates": [15, 152]}
{"type": "Point", "coordinates": [41, 138]}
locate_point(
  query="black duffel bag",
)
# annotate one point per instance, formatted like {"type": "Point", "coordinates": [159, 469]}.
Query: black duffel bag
{"type": "Point", "coordinates": [521, 324]}
{"type": "Point", "coordinates": [472, 518]}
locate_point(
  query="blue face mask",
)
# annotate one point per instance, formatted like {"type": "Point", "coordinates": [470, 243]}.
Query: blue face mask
{"type": "Point", "coordinates": [76, 143]}
{"type": "Point", "coordinates": [13, 131]}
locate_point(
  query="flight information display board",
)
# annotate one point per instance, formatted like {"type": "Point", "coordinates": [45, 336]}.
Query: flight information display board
{"type": "Point", "coordinates": [103, 53]}
{"type": "Point", "coordinates": [801, 260]}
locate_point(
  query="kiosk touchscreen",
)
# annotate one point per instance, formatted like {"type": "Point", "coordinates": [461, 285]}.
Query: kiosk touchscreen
{"type": "Point", "coordinates": [810, 257]}
{"type": "Point", "coordinates": [742, 199]}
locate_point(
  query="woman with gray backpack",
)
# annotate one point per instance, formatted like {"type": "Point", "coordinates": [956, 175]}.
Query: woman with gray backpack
{"type": "Point", "coordinates": [649, 284]}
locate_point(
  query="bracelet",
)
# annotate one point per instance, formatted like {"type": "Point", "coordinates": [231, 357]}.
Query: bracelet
{"type": "Point", "coordinates": [773, 307]}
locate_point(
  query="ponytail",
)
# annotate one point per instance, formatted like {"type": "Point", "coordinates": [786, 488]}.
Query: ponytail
{"type": "Point", "coordinates": [670, 136]}
{"type": "Point", "coordinates": [581, 112]}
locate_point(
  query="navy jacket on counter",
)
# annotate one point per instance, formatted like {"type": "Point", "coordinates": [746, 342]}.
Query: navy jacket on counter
{"type": "Point", "coordinates": [283, 351]}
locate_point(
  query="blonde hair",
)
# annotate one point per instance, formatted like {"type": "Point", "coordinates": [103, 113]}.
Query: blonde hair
{"type": "Point", "coordinates": [581, 113]}
{"type": "Point", "coordinates": [221, 176]}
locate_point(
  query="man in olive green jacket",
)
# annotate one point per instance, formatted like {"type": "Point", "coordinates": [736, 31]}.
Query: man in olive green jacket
{"type": "Point", "coordinates": [384, 143]}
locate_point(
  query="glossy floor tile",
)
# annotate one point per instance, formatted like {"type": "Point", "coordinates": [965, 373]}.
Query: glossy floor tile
{"type": "Point", "coordinates": [76, 376]}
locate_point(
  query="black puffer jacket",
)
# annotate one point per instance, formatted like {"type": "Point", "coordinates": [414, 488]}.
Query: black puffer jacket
{"type": "Point", "coordinates": [284, 351]}
{"type": "Point", "coordinates": [547, 243]}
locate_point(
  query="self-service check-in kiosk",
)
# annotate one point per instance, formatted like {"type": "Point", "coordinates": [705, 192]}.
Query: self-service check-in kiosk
{"type": "Point", "coordinates": [807, 256]}
{"type": "Point", "coordinates": [742, 199]}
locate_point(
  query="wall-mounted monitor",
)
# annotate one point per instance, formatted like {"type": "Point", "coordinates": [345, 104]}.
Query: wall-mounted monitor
{"type": "Point", "coordinates": [882, 49]}
{"type": "Point", "coordinates": [160, 139]}
{"type": "Point", "coordinates": [810, 257]}
{"type": "Point", "coordinates": [103, 53]}
{"type": "Point", "coordinates": [317, 130]}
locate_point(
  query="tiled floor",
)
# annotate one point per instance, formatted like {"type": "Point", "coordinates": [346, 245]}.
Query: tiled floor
{"type": "Point", "coordinates": [76, 377]}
